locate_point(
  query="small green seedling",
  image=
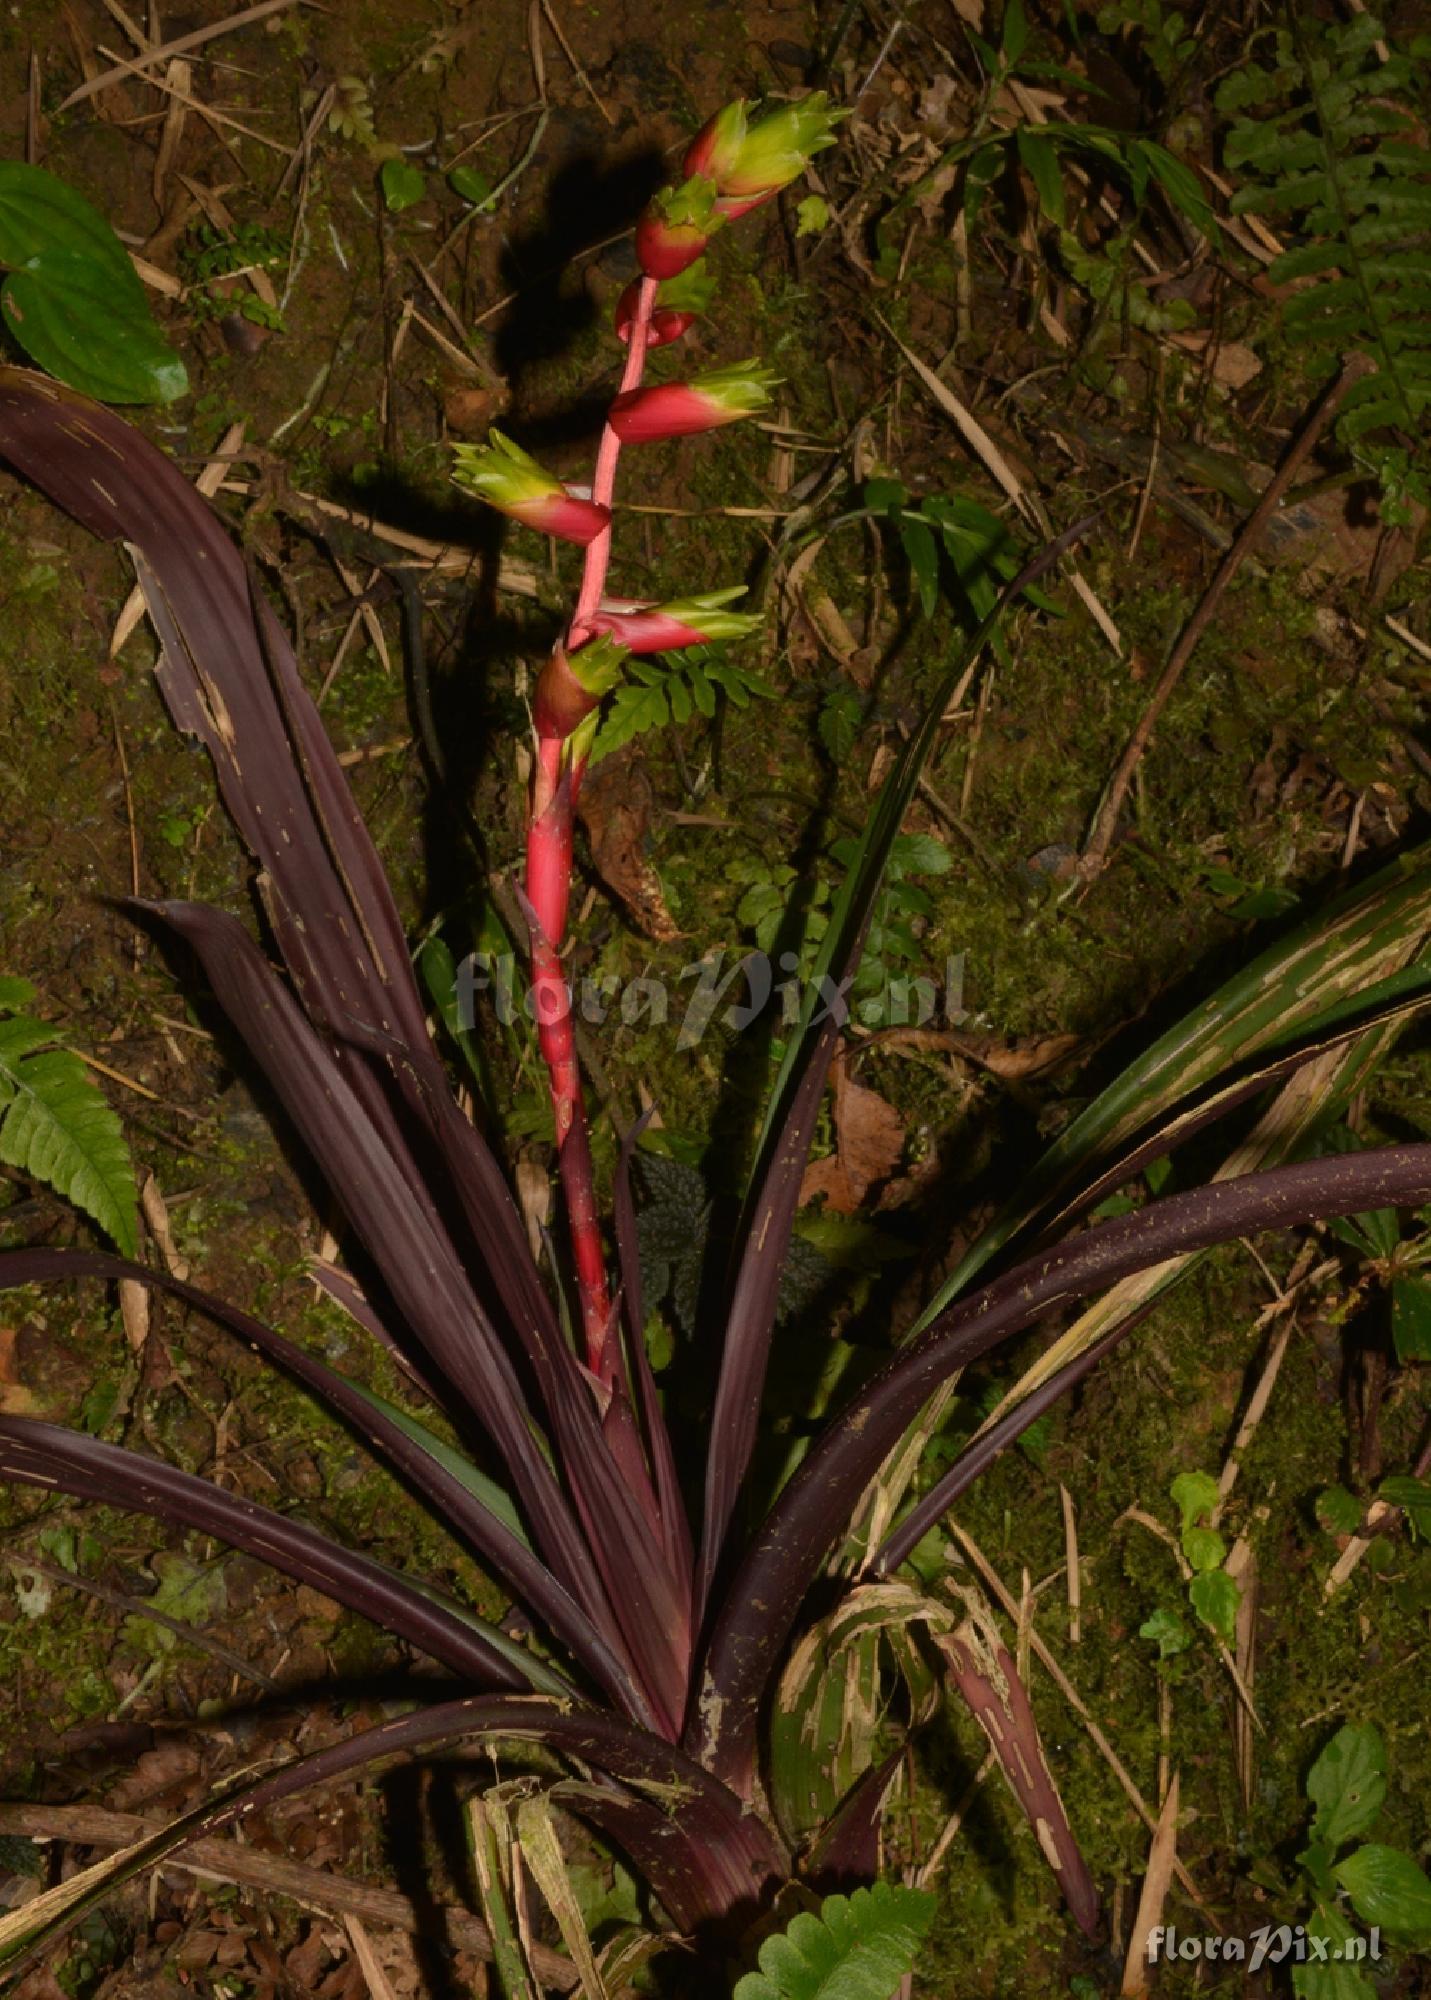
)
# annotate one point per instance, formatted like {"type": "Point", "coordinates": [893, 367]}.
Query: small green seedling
{"type": "Point", "coordinates": [1213, 1594]}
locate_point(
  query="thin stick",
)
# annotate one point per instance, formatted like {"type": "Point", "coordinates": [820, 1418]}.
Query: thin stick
{"type": "Point", "coordinates": [1378, 1512]}
{"type": "Point", "coordinates": [1075, 1701]}
{"type": "Point", "coordinates": [1156, 1883]}
{"type": "Point", "coordinates": [580, 74]}
{"type": "Point", "coordinates": [1075, 1575]}
{"type": "Point", "coordinates": [178, 48]}
{"type": "Point", "coordinates": [209, 111]}
{"type": "Point", "coordinates": [1100, 839]}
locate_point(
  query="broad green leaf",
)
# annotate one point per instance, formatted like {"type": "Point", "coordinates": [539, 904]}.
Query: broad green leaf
{"type": "Point", "coordinates": [1193, 1494]}
{"type": "Point", "coordinates": [1338, 1511]}
{"type": "Point", "coordinates": [1168, 1633]}
{"type": "Point", "coordinates": [858, 1948]}
{"type": "Point", "coordinates": [1039, 158]}
{"type": "Point", "coordinates": [403, 185]}
{"type": "Point", "coordinates": [73, 299]}
{"type": "Point", "coordinates": [57, 1126]}
{"type": "Point", "coordinates": [1016, 31]}
{"type": "Point", "coordinates": [14, 994]}
{"type": "Point", "coordinates": [1411, 1318]}
{"type": "Point", "coordinates": [467, 182]}
{"type": "Point", "coordinates": [1204, 1548]}
{"type": "Point", "coordinates": [1215, 1598]}
{"type": "Point", "coordinates": [1348, 1783]}
{"type": "Point", "coordinates": [1336, 1977]}
{"type": "Point", "coordinates": [839, 721]}
{"type": "Point", "coordinates": [1388, 1889]}
{"type": "Point", "coordinates": [922, 551]}
{"type": "Point", "coordinates": [1412, 1495]}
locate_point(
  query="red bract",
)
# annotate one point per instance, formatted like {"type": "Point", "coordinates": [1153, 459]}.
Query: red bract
{"type": "Point", "coordinates": [564, 515]}
{"type": "Point", "coordinates": [703, 620]}
{"type": "Point", "coordinates": [646, 629]}
{"type": "Point", "coordinates": [665, 249]}
{"type": "Point", "coordinates": [666, 410]}
{"type": "Point", "coordinates": [667, 323]}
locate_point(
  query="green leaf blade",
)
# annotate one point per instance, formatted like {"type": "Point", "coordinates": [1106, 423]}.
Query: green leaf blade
{"type": "Point", "coordinates": [73, 299]}
{"type": "Point", "coordinates": [1348, 1783]}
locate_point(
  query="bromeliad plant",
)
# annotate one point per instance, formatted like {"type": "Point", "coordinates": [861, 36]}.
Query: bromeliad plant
{"type": "Point", "coordinates": [661, 1672]}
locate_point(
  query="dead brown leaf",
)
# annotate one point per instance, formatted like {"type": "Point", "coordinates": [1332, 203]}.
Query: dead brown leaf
{"type": "Point", "coordinates": [615, 806]}
{"type": "Point", "coordinates": [869, 1144]}
{"type": "Point", "coordinates": [15, 1398]}
{"type": "Point", "coordinates": [1231, 364]}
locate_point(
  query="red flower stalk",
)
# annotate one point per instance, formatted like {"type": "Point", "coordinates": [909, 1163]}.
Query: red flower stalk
{"type": "Point", "coordinates": [681, 409]}
{"type": "Point", "coordinates": [683, 621]}
{"type": "Point", "coordinates": [734, 164]}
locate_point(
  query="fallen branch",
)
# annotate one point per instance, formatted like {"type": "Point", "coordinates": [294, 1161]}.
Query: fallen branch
{"type": "Point", "coordinates": [226, 1860]}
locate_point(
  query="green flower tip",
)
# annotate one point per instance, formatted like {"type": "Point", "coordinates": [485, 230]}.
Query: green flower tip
{"type": "Point", "coordinates": [706, 613]}
{"type": "Point", "coordinates": [500, 471]}
{"type": "Point", "coordinates": [597, 665]}
{"type": "Point", "coordinates": [741, 385]}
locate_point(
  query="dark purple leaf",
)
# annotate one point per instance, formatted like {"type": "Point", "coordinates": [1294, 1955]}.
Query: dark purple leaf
{"type": "Point", "coordinates": [769, 1212]}
{"type": "Point", "coordinates": [675, 1528]}
{"type": "Point", "coordinates": [487, 1537]}
{"type": "Point", "coordinates": [814, 1510]}
{"type": "Point", "coordinates": [49, 1456]}
{"type": "Point", "coordinates": [845, 1851]}
{"type": "Point", "coordinates": [985, 1675]}
{"type": "Point", "coordinates": [979, 1455]}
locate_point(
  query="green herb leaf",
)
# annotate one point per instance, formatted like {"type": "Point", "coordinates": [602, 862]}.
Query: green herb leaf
{"type": "Point", "coordinates": [1411, 1318]}
{"type": "Point", "coordinates": [858, 1948]}
{"type": "Point", "coordinates": [1215, 1598]}
{"type": "Point", "coordinates": [403, 185]}
{"type": "Point", "coordinates": [1168, 1633]}
{"type": "Point", "coordinates": [1387, 1888]}
{"type": "Point", "coordinates": [73, 299]}
{"type": "Point", "coordinates": [1194, 1494]}
{"type": "Point", "coordinates": [1348, 1783]}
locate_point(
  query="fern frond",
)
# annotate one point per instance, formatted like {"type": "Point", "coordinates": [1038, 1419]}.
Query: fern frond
{"type": "Point", "coordinates": [653, 697]}
{"type": "Point", "coordinates": [1331, 147]}
{"type": "Point", "coordinates": [56, 1126]}
{"type": "Point", "coordinates": [858, 1948]}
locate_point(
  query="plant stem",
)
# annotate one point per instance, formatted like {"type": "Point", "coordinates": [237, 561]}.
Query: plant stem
{"type": "Point", "coordinates": [555, 783]}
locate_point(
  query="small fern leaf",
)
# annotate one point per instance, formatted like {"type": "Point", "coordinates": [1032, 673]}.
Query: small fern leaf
{"type": "Point", "coordinates": [56, 1126]}
{"type": "Point", "coordinates": [858, 1948]}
